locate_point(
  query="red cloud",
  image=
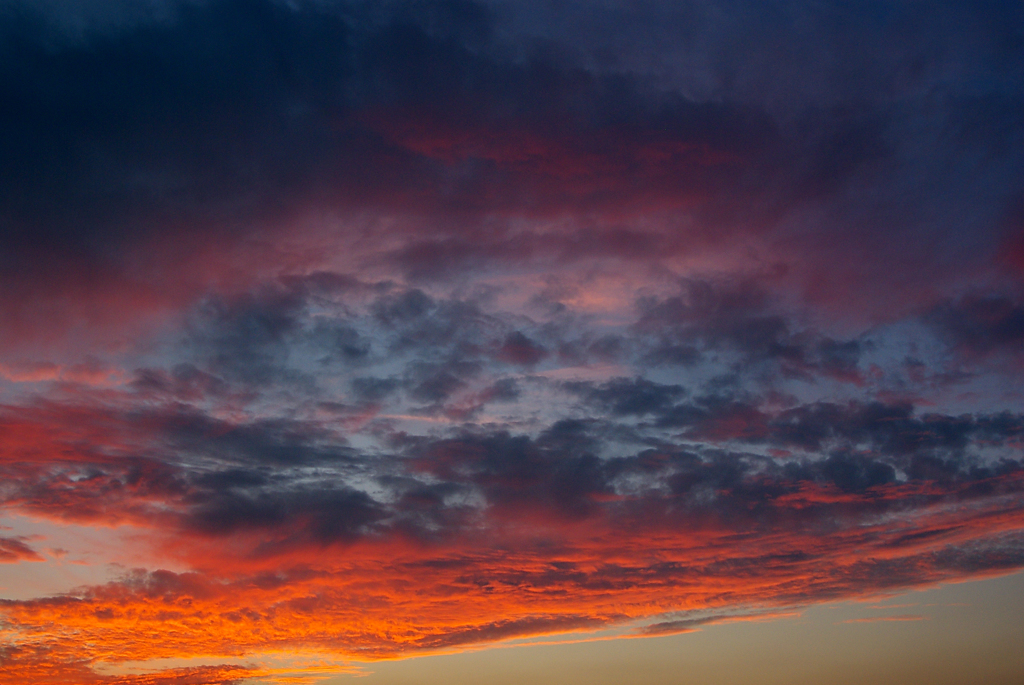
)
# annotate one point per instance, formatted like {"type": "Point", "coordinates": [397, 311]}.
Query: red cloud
{"type": "Point", "coordinates": [14, 549]}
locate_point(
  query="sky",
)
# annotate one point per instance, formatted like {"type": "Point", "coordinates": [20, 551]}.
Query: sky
{"type": "Point", "coordinates": [490, 342]}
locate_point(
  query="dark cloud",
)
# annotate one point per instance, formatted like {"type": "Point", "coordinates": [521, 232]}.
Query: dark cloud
{"type": "Point", "coordinates": [892, 430]}
{"type": "Point", "coordinates": [242, 107]}
{"type": "Point", "coordinates": [623, 396]}
{"type": "Point", "coordinates": [503, 390]}
{"type": "Point", "coordinates": [981, 324]}
{"type": "Point", "coordinates": [709, 317]}
{"type": "Point", "coordinates": [223, 477]}
{"type": "Point", "coordinates": [436, 386]}
{"type": "Point", "coordinates": [229, 479]}
{"type": "Point", "coordinates": [555, 472]}
{"type": "Point", "coordinates": [126, 125]}
{"type": "Point", "coordinates": [246, 338]}
{"type": "Point", "coordinates": [326, 516]}
{"type": "Point", "coordinates": [374, 389]}
{"type": "Point", "coordinates": [137, 133]}
{"type": "Point", "coordinates": [398, 309]}
{"type": "Point", "coordinates": [184, 382]}
{"type": "Point", "coordinates": [340, 342]}
{"type": "Point", "coordinates": [262, 441]}
{"type": "Point", "coordinates": [520, 350]}
{"type": "Point", "coordinates": [855, 473]}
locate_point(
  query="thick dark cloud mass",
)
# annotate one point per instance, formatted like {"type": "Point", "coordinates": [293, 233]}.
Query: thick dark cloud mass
{"type": "Point", "coordinates": [225, 112]}
{"type": "Point", "coordinates": [211, 120]}
{"type": "Point", "coordinates": [399, 327]}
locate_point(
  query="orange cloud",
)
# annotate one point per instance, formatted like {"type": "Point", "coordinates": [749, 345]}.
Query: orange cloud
{"type": "Point", "coordinates": [392, 597]}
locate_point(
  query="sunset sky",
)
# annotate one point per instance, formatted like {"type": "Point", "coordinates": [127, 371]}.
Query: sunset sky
{"type": "Point", "coordinates": [499, 342]}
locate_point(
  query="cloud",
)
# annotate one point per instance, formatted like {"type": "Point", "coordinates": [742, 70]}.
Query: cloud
{"type": "Point", "coordinates": [518, 349]}
{"type": "Point", "coordinates": [981, 324]}
{"type": "Point", "coordinates": [346, 311]}
{"type": "Point", "coordinates": [623, 396]}
{"type": "Point", "coordinates": [13, 550]}
{"type": "Point", "coordinates": [533, 534]}
{"type": "Point", "coordinates": [326, 516]}
{"type": "Point", "coordinates": [740, 317]}
{"type": "Point", "coordinates": [44, 665]}
{"type": "Point", "coordinates": [436, 143]}
{"type": "Point", "coordinates": [251, 109]}
{"type": "Point", "coordinates": [689, 625]}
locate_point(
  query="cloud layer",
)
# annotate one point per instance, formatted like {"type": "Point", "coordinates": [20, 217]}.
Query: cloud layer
{"type": "Point", "coordinates": [402, 328]}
